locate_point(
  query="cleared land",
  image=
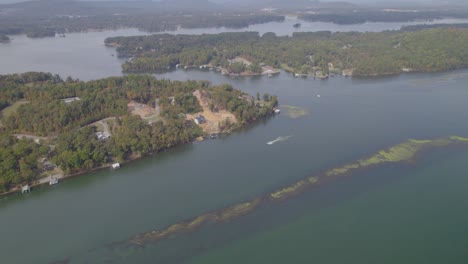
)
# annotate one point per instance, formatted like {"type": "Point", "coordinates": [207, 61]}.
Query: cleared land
{"type": "Point", "coordinates": [11, 109]}
{"type": "Point", "coordinates": [213, 119]}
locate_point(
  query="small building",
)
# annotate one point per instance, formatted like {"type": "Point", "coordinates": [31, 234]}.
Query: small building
{"type": "Point", "coordinates": [53, 181]}
{"type": "Point", "coordinates": [26, 189]}
{"type": "Point", "coordinates": [47, 165]}
{"type": "Point", "coordinates": [103, 136]}
{"type": "Point", "coordinates": [116, 166]}
{"type": "Point", "coordinates": [70, 100]}
{"type": "Point", "coordinates": [199, 120]}
{"type": "Point", "coordinates": [276, 110]}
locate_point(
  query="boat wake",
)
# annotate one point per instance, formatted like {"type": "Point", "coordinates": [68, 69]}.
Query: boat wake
{"type": "Point", "coordinates": [278, 139]}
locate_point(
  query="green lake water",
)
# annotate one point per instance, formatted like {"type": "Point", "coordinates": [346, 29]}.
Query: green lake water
{"type": "Point", "coordinates": [399, 213]}
{"type": "Point", "coordinates": [403, 214]}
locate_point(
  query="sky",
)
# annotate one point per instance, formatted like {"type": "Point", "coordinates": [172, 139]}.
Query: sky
{"type": "Point", "coordinates": [351, 1]}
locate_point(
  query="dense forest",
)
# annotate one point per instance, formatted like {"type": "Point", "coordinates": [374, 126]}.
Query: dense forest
{"type": "Point", "coordinates": [47, 17]}
{"type": "Point", "coordinates": [69, 139]}
{"type": "Point", "coordinates": [420, 27]}
{"type": "Point", "coordinates": [364, 54]}
{"type": "Point", "coordinates": [149, 23]}
{"type": "Point", "coordinates": [363, 16]}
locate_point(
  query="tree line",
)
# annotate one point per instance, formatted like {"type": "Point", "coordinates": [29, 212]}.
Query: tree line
{"type": "Point", "coordinates": [363, 16]}
{"type": "Point", "coordinates": [47, 24]}
{"type": "Point", "coordinates": [365, 53]}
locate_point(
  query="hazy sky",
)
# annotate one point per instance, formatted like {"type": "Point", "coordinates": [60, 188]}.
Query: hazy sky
{"type": "Point", "coordinates": [351, 1]}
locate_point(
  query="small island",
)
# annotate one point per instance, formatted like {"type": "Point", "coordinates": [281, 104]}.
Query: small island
{"type": "Point", "coordinates": [305, 54]}
{"type": "Point", "coordinates": [53, 128]}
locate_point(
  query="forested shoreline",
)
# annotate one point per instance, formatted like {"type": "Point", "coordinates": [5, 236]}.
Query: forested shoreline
{"type": "Point", "coordinates": [421, 27]}
{"type": "Point", "coordinates": [49, 27]}
{"type": "Point", "coordinates": [350, 53]}
{"type": "Point", "coordinates": [69, 129]}
{"type": "Point", "coordinates": [49, 17]}
{"type": "Point", "coordinates": [363, 16]}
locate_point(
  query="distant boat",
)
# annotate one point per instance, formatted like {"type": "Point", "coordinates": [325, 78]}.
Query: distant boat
{"type": "Point", "coordinates": [318, 95]}
{"type": "Point", "coordinates": [53, 181]}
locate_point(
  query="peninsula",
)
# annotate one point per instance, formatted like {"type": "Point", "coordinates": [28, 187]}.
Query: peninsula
{"type": "Point", "coordinates": [52, 126]}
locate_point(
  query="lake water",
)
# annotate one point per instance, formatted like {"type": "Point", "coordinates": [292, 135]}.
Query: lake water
{"type": "Point", "coordinates": [402, 213]}
{"type": "Point", "coordinates": [286, 27]}
{"type": "Point", "coordinates": [84, 56]}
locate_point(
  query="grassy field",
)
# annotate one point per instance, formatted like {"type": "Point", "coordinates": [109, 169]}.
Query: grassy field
{"type": "Point", "coordinates": [98, 126]}
{"type": "Point", "coordinates": [11, 109]}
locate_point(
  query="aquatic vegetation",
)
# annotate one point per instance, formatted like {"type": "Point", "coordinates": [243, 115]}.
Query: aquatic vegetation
{"type": "Point", "coordinates": [223, 215]}
{"type": "Point", "coordinates": [405, 151]}
{"type": "Point", "coordinates": [295, 112]}
{"type": "Point", "coordinates": [342, 170]}
{"type": "Point", "coordinates": [401, 152]}
{"type": "Point", "coordinates": [237, 210]}
{"type": "Point", "coordinates": [282, 193]}
{"type": "Point", "coordinates": [457, 138]}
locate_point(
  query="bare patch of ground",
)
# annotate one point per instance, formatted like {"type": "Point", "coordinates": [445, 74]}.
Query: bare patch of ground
{"type": "Point", "coordinates": [103, 125]}
{"type": "Point", "coordinates": [211, 126]}
{"type": "Point", "coordinates": [145, 111]}
{"type": "Point", "coordinates": [142, 110]}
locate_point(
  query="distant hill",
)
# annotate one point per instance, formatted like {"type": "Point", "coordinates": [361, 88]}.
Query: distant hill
{"type": "Point", "coordinates": [281, 4]}
{"type": "Point", "coordinates": [189, 5]}
{"type": "Point", "coordinates": [105, 7]}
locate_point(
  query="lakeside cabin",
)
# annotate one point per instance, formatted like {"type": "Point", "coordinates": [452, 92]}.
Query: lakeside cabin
{"type": "Point", "coordinates": [116, 166]}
